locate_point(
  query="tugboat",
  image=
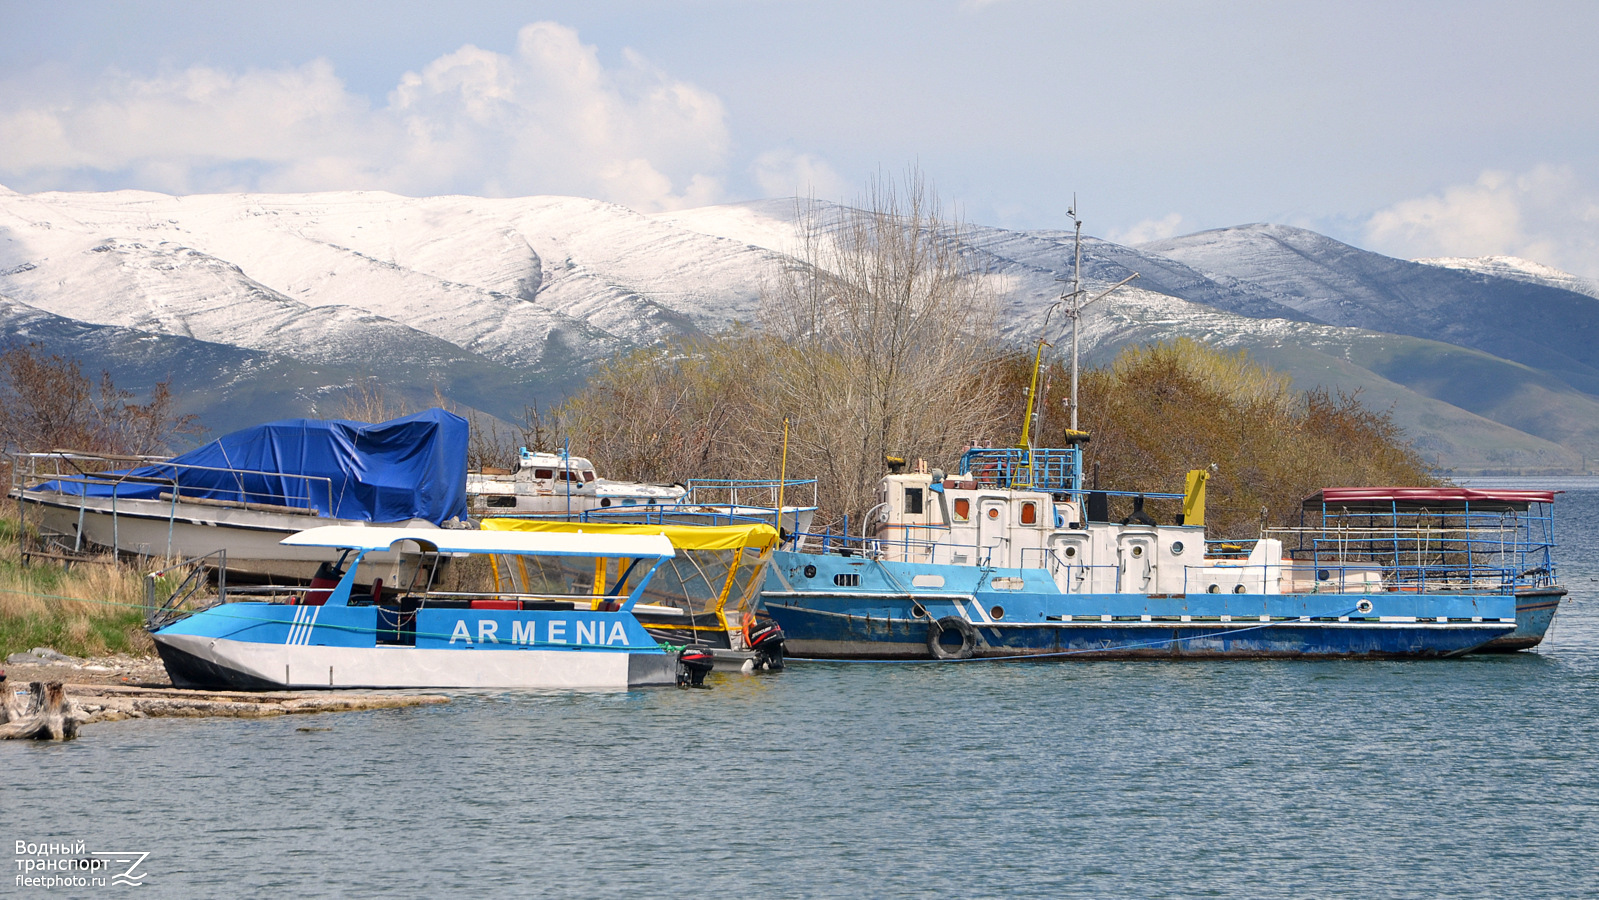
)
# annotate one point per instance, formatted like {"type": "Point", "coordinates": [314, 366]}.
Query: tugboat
{"type": "Point", "coordinates": [1011, 557]}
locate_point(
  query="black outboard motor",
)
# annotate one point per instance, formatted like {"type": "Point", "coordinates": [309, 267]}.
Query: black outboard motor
{"type": "Point", "coordinates": [766, 639]}
{"type": "Point", "coordinates": [693, 662]}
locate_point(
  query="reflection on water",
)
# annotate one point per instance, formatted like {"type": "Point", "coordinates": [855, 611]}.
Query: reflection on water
{"type": "Point", "coordinates": [1470, 776]}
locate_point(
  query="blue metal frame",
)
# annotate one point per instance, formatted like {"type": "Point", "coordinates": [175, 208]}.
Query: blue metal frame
{"type": "Point", "coordinates": [1501, 549]}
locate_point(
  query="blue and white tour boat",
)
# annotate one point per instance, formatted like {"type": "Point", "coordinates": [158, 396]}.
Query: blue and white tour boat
{"type": "Point", "coordinates": [568, 622]}
{"type": "Point", "coordinates": [1013, 558]}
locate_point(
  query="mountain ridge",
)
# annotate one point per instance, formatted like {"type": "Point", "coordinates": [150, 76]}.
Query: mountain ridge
{"type": "Point", "coordinates": [502, 303]}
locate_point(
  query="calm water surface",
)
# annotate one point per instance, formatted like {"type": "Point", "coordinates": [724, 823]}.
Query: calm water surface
{"type": "Point", "coordinates": [1471, 777]}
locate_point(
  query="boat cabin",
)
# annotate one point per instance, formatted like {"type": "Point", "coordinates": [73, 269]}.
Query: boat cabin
{"type": "Point", "coordinates": [559, 484]}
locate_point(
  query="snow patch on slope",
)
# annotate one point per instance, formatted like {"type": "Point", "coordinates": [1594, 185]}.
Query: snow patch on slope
{"type": "Point", "coordinates": [1519, 269]}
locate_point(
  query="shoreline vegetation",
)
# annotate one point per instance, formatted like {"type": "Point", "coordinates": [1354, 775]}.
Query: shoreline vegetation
{"type": "Point", "coordinates": [93, 608]}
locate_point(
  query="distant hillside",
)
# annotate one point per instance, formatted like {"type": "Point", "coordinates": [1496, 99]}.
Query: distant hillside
{"type": "Point", "coordinates": [261, 306]}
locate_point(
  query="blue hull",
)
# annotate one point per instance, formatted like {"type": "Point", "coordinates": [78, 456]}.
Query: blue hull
{"type": "Point", "coordinates": [1534, 614]}
{"type": "Point", "coordinates": [822, 635]}
{"type": "Point", "coordinates": [877, 617]}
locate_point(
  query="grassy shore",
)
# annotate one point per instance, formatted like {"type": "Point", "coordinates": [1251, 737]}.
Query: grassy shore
{"type": "Point", "coordinates": [86, 609]}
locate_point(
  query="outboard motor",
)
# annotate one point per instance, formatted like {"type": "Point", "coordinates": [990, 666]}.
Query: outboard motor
{"type": "Point", "coordinates": [766, 639]}
{"type": "Point", "coordinates": [693, 662]}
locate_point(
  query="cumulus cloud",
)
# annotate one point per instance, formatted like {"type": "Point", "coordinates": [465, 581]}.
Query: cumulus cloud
{"type": "Point", "coordinates": [1148, 230]}
{"type": "Point", "coordinates": [784, 173]}
{"type": "Point", "coordinates": [547, 118]}
{"type": "Point", "coordinates": [1547, 214]}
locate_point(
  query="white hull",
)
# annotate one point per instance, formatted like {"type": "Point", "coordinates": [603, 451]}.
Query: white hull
{"type": "Point", "coordinates": [165, 530]}
{"type": "Point", "coordinates": [307, 667]}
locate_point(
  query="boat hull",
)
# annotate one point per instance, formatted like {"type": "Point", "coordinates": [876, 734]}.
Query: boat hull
{"type": "Point", "coordinates": [202, 663]}
{"type": "Point", "coordinates": [162, 529]}
{"type": "Point", "coordinates": [892, 610]}
{"type": "Point", "coordinates": [261, 646]}
{"type": "Point", "coordinates": [1535, 612]}
{"type": "Point", "coordinates": [815, 634]}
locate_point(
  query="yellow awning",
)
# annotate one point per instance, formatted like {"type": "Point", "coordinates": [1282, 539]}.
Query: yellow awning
{"type": "Point", "coordinates": [687, 537]}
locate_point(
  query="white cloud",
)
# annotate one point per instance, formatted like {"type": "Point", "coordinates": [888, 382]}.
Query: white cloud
{"type": "Point", "coordinates": [547, 118]}
{"type": "Point", "coordinates": [784, 173]}
{"type": "Point", "coordinates": [1546, 214]}
{"type": "Point", "coordinates": [1148, 230]}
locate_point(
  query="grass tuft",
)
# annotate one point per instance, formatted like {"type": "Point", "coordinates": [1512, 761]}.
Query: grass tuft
{"type": "Point", "coordinates": [86, 609]}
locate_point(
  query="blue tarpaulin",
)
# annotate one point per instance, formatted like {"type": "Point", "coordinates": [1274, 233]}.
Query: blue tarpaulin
{"type": "Point", "coordinates": [409, 468]}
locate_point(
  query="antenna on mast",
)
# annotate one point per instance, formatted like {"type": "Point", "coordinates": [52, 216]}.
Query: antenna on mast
{"type": "Point", "coordinates": [1075, 312]}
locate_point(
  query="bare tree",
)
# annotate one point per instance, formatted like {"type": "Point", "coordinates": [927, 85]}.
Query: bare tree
{"type": "Point", "coordinates": [496, 444]}
{"type": "Point", "coordinates": [878, 338]}
{"type": "Point", "coordinates": [367, 401]}
{"type": "Point", "coordinates": [47, 403]}
{"type": "Point", "coordinates": [886, 339]}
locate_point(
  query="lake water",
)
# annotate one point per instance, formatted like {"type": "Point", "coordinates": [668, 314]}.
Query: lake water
{"type": "Point", "coordinates": [1470, 777]}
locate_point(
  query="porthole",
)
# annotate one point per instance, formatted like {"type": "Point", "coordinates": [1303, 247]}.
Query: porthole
{"type": "Point", "coordinates": [1238, 589]}
{"type": "Point", "coordinates": [1071, 552]}
{"type": "Point", "coordinates": [997, 612]}
{"type": "Point", "coordinates": [1137, 552]}
{"type": "Point", "coordinates": [1213, 589]}
{"type": "Point", "coordinates": [810, 571]}
{"type": "Point", "coordinates": [918, 611]}
{"type": "Point", "coordinates": [1323, 575]}
{"type": "Point", "coordinates": [605, 501]}
{"type": "Point", "coordinates": [993, 513]}
{"type": "Point", "coordinates": [1177, 548]}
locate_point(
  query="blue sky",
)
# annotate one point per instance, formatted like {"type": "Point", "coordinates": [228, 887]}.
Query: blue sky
{"type": "Point", "coordinates": [1416, 129]}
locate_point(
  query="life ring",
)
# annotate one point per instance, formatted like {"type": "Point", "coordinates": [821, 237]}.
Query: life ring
{"type": "Point", "coordinates": [964, 628]}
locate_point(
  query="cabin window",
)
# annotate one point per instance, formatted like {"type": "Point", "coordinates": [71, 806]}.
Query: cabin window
{"type": "Point", "coordinates": [913, 501]}
{"type": "Point", "coordinates": [847, 579]}
{"type": "Point", "coordinates": [1029, 513]}
{"type": "Point", "coordinates": [502, 502]}
{"type": "Point", "coordinates": [588, 476]}
{"type": "Point", "coordinates": [546, 474]}
{"type": "Point", "coordinates": [963, 509]}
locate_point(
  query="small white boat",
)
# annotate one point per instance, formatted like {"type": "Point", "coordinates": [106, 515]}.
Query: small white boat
{"type": "Point", "coordinates": [558, 484]}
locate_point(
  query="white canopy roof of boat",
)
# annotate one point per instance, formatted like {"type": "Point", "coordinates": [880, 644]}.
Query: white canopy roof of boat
{"type": "Point", "coordinates": [452, 540]}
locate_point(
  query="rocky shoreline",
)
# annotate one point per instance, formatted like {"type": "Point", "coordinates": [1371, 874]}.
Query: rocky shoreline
{"type": "Point", "coordinates": [110, 689]}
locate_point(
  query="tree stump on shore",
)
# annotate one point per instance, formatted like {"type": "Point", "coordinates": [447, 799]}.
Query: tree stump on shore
{"type": "Point", "coordinates": [45, 715]}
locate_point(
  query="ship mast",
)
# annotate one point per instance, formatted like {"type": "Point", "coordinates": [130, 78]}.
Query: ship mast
{"type": "Point", "coordinates": [1075, 311]}
{"type": "Point", "coordinates": [1033, 418]}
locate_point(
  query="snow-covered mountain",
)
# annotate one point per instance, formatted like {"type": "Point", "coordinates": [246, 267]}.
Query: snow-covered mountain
{"type": "Point", "coordinates": [260, 306]}
{"type": "Point", "coordinates": [1518, 269]}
